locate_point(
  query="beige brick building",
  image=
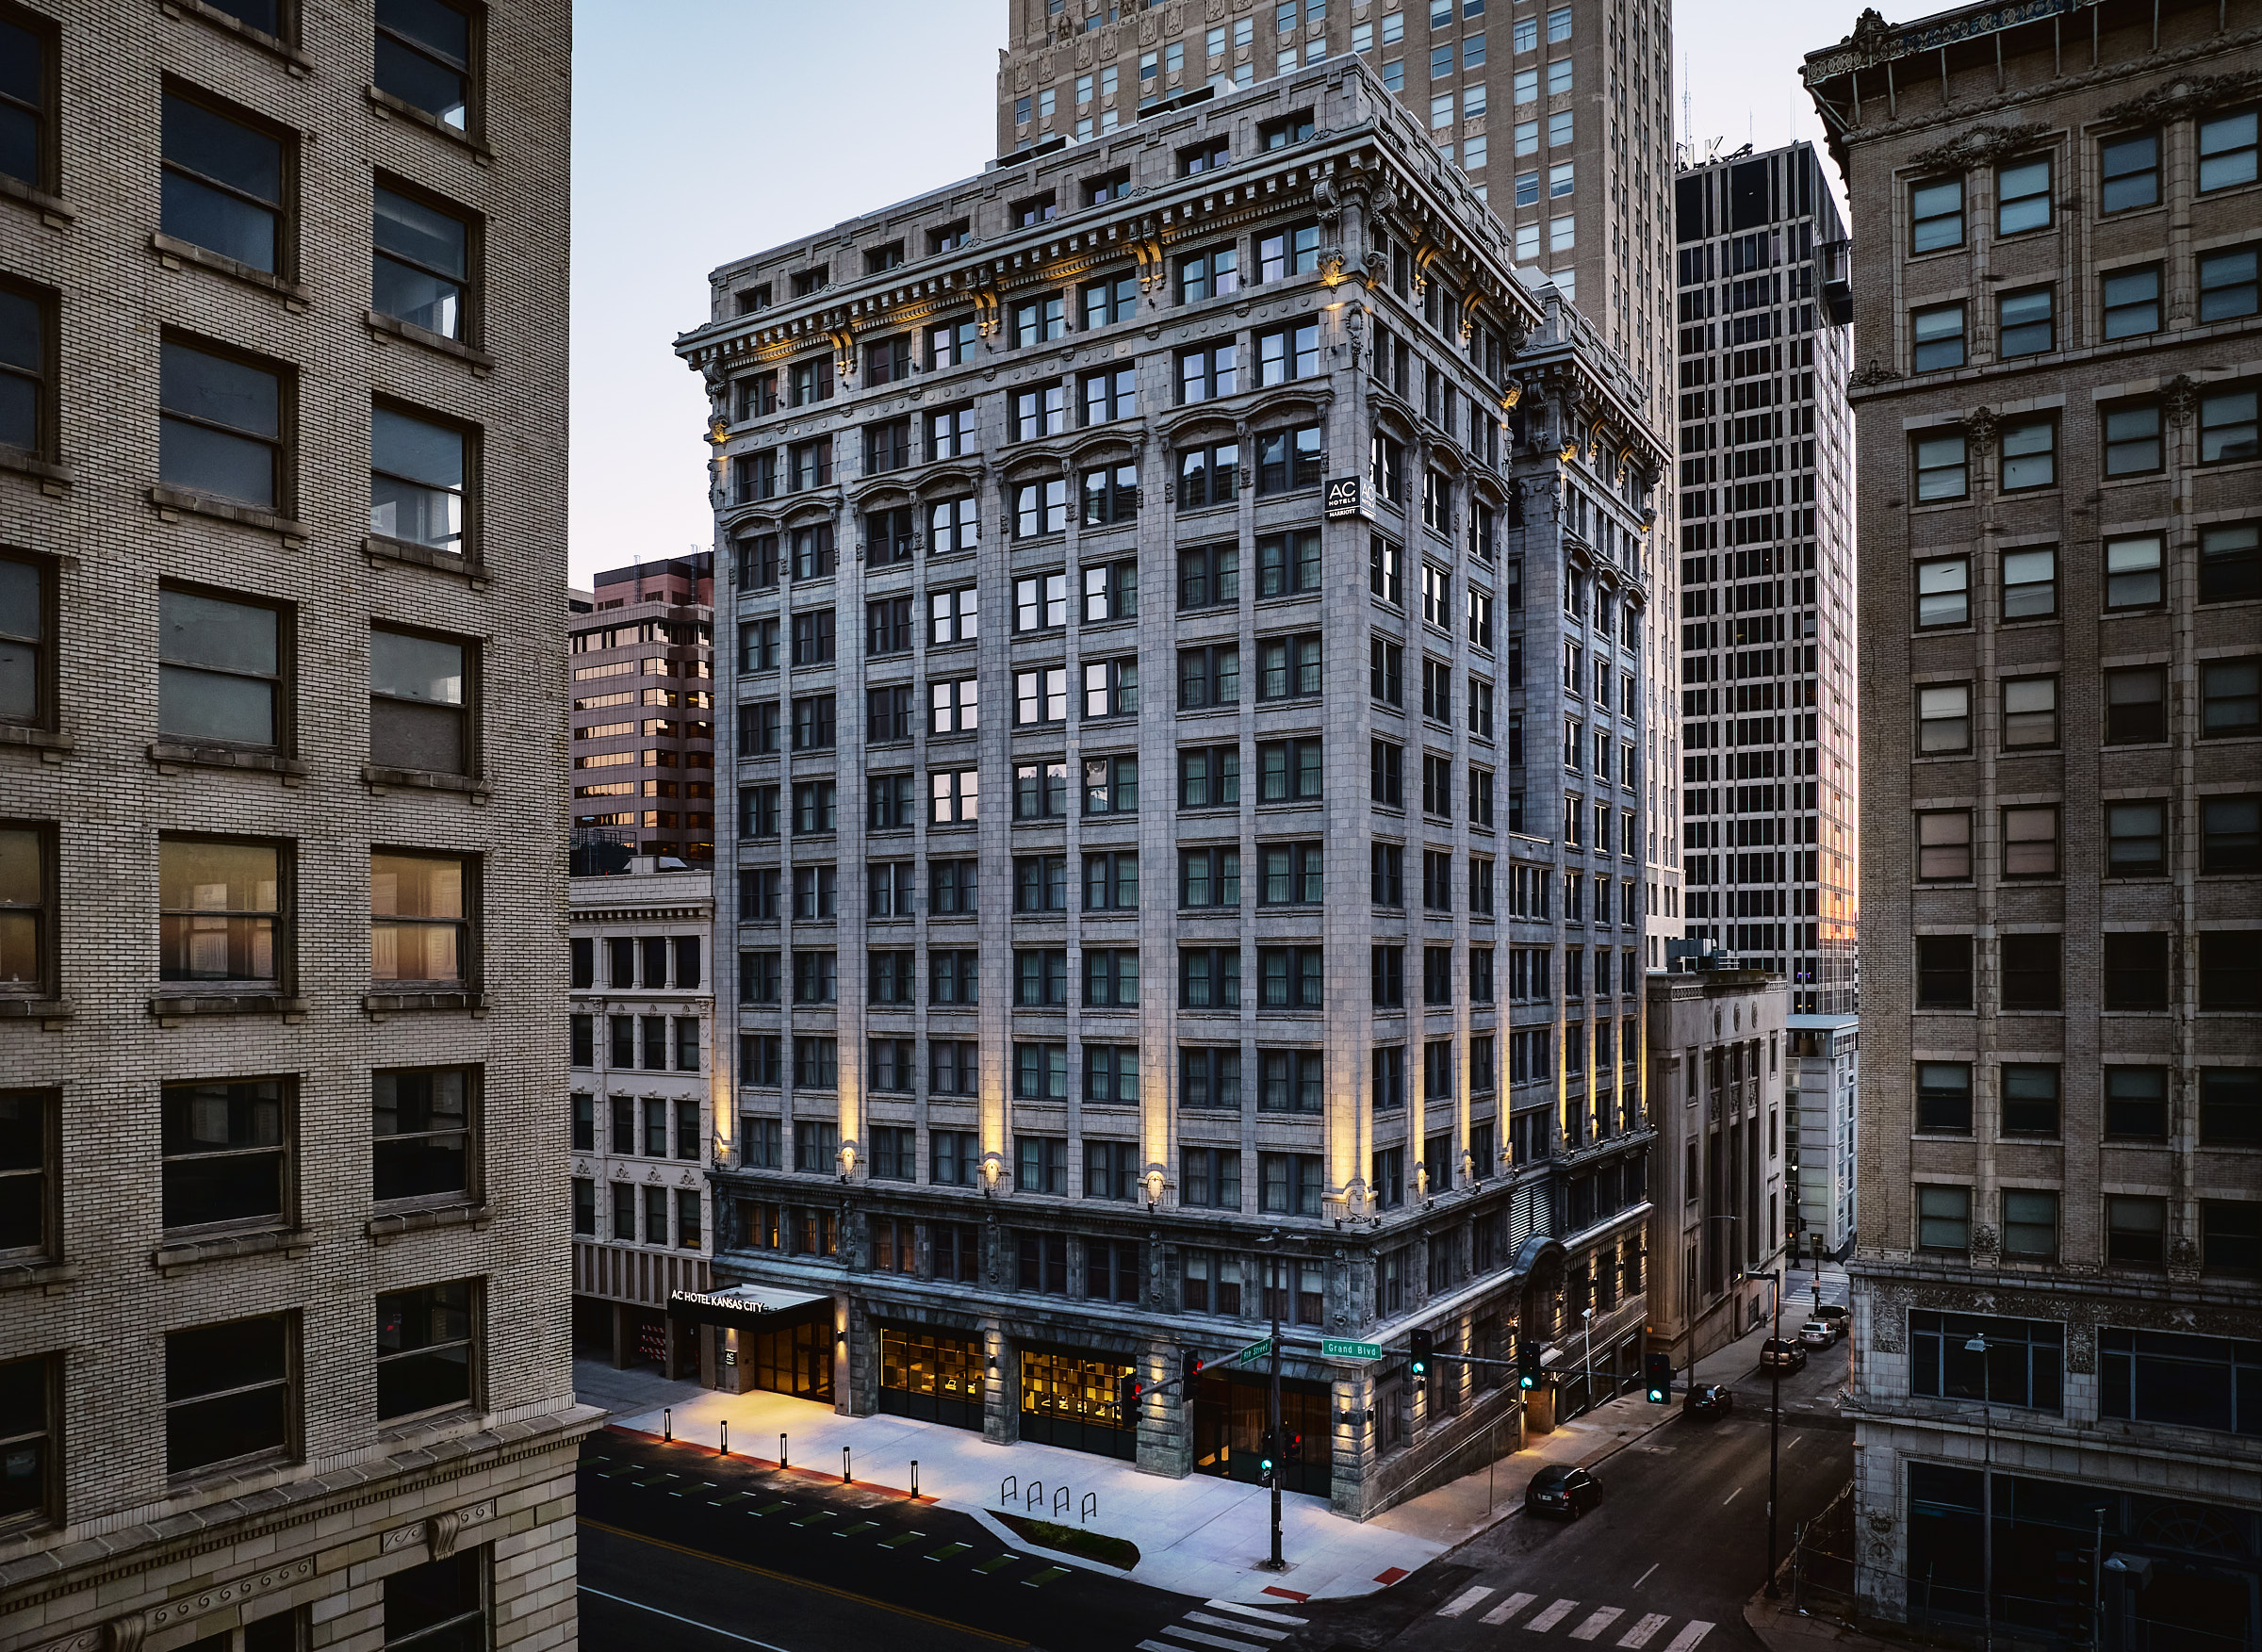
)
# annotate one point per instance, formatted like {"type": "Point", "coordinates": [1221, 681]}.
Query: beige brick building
{"type": "Point", "coordinates": [2057, 1284]}
{"type": "Point", "coordinates": [283, 1237]}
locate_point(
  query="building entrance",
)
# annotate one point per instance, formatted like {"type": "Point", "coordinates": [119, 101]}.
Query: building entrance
{"type": "Point", "coordinates": [1230, 1413]}
{"type": "Point", "coordinates": [935, 1376]}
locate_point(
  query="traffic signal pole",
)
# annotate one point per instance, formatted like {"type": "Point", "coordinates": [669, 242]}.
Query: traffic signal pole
{"type": "Point", "coordinates": [1275, 1563]}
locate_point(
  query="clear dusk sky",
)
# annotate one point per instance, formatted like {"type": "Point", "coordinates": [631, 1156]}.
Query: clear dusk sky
{"type": "Point", "coordinates": [704, 130]}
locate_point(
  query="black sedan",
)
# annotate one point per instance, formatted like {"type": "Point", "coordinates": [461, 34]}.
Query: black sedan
{"type": "Point", "coordinates": [1709, 1400]}
{"type": "Point", "coordinates": [1561, 1490]}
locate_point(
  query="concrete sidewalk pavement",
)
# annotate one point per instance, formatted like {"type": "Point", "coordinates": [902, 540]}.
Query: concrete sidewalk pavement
{"type": "Point", "coordinates": [1200, 1536]}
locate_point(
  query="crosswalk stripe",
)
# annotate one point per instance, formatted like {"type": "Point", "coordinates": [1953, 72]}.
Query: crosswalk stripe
{"type": "Point", "coordinates": [1697, 1630]}
{"type": "Point", "coordinates": [1639, 1635]}
{"type": "Point", "coordinates": [1226, 1623]}
{"type": "Point", "coordinates": [1257, 1612]}
{"type": "Point", "coordinates": [1601, 1619]}
{"type": "Point", "coordinates": [1509, 1608]}
{"type": "Point", "coordinates": [1463, 1601]}
{"type": "Point", "coordinates": [1553, 1615]}
{"type": "Point", "coordinates": [1225, 1643]}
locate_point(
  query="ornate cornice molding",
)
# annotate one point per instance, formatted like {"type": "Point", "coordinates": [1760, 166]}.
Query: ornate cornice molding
{"type": "Point", "coordinates": [1982, 145]}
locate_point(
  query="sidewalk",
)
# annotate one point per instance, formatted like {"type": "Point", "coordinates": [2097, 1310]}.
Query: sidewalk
{"type": "Point", "coordinates": [1198, 1536]}
{"type": "Point", "coordinates": [1457, 1511]}
{"type": "Point", "coordinates": [1782, 1627]}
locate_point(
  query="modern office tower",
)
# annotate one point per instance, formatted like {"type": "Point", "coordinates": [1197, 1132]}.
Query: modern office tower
{"type": "Point", "coordinates": [1717, 1099]}
{"type": "Point", "coordinates": [1766, 620]}
{"type": "Point", "coordinates": [1583, 89]}
{"type": "Point", "coordinates": [2056, 1288]}
{"type": "Point", "coordinates": [1822, 1092]}
{"type": "Point", "coordinates": [283, 1284]}
{"type": "Point", "coordinates": [1145, 916]}
{"type": "Point", "coordinates": [643, 681]}
{"type": "Point", "coordinates": [643, 1067]}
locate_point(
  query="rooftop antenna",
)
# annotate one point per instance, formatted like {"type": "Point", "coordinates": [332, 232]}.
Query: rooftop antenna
{"type": "Point", "coordinates": [1688, 122]}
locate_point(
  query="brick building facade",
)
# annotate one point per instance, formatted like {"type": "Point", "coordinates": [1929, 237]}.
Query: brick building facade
{"type": "Point", "coordinates": [643, 680]}
{"type": "Point", "coordinates": [283, 1279]}
{"type": "Point", "coordinates": [2056, 1294]}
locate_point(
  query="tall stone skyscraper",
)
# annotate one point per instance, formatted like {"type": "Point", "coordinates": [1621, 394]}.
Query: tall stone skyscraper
{"type": "Point", "coordinates": [1581, 178]}
{"type": "Point", "coordinates": [282, 1173]}
{"type": "Point", "coordinates": [1173, 883]}
{"type": "Point", "coordinates": [2057, 1287]}
{"type": "Point", "coordinates": [1766, 624]}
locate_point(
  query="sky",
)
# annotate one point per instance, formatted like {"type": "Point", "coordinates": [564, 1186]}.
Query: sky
{"type": "Point", "coordinates": [705, 130]}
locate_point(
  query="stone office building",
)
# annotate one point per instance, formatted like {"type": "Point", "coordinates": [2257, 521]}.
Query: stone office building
{"type": "Point", "coordinates": [2057, 1284]}
{"type": "Point", "coordinates": [1766, 622]}
{"type": "Point", "coordinates": [1156, 894]}
{"type": "Point", "coordinates": [283, 1284]}
{"type": "Point", "coordinates": [641, 1036]}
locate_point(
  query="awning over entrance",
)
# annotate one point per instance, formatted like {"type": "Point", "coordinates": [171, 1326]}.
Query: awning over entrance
{"type": "Point", "coordinates": [747, 1307]}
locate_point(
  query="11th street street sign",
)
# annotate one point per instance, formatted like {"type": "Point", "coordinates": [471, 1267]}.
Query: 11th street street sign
{"type": "Point", "coordinates": [1352, 1351]}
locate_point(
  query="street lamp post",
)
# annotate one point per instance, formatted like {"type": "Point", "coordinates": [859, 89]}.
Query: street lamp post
{"type": "Point", "coordinates": [1586, 1358]}
{"type": "Point", "coordinates": [1774, 1428]}
{"type": "Point", "coordinates": [1978, 1344]}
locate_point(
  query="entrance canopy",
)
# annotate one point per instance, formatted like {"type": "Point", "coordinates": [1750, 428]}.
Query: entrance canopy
{"type": "Point", "coordinates": [747, 1307]}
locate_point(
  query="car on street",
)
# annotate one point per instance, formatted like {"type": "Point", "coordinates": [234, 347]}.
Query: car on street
{"type": "Point", "coordinates": [1709, 1400]}
{"type": "Point", "coordinates": [1821, 1332]}
{"type": "Point", "coordinates": [1833, 1312]}
{"type": "Point", "coordinates": [1561, 1490]}
{"type": "Point", "coordinates": [1779, 1356]}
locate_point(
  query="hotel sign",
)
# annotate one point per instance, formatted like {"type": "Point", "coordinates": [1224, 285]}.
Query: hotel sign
{"type": "Point", "coordinates": [1347, 497]}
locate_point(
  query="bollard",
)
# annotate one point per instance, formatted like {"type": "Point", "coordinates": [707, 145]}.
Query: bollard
{"type": "Point", "coordinates": [782, 1462]}
{"type": "Point", "coordinates": [723, 1449]}
{"type": "Point", "coordinates": [914, 1477]}
{"type": "Point", "coordinates": [844, 1462]}
{"type": "Point", "coordinates": [667, 1424]}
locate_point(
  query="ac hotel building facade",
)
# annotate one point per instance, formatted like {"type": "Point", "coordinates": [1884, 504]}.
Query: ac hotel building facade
{"type": "Point", "coordinates": [1163, 898]}
{"type": "Point", "coordinates": [2057, 1287]}
{"type": "Point", "coordinates": [283, 1228]}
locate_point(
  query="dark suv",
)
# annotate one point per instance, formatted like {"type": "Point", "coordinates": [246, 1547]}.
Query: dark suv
{"type": "Point", "coordinates": [1779, 1356]}
{"type": "Point", "coordinates": [1709, 1400]}
{"type": "Point", "coordinates": [1561, 1490]}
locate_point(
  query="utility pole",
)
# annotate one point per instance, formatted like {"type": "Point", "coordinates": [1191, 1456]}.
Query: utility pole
{"type": "Point", "coordinates": [1774, 1428]}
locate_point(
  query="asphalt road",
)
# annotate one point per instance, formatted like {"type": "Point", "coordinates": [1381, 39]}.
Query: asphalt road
{"type": "Point", "coordinates": [1665, 1563]}
{"type": "Point", "coordinates": [682, 1551]}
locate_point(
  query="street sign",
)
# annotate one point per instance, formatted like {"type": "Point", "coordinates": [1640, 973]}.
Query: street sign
{"type": "Point", "coordinates": [1351, 1351]}
{"type": "Point", "coordinates": [1255, 1352]}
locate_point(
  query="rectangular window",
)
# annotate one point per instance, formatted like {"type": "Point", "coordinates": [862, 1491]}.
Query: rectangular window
{"type": "Point", "coordinates": [424, 59]}
{"type": "Point", "coordinates": [422, 1132]}
{"type": "Point", "coordinates": [1942, 593]}
{"type": "Point", "coordinates": [2029, 712]}
{"type": "Point", "coordinates": [2136, 1104]}
{"type": "Point", "coordinates": [2136, 971]}
{"type": "Point", "coordinates": [2227, 286]}
{"type": "Point", "coordinates": [2030, 841]}
{"type": "Point", "coordinates": [2135, 1232]}
{"type": "Point", "coordinates": [219, 426]}
{"type": "Point", "coordinates": [1210, 274]}
{"type": "Point", "coordinates": [1937, 337]}
{"type": "Point", "coordinates": [229, 1392]}
{"type": "Point", "coordinates": [1209, 977]}
{"type": "Point", "coordinates": [223, 183]}
{"type": "Point", "coordinates": [421, 266]}
{"type": "Point", "coordinates": [424, 1349]}
{"type": "Point", "coordinates": [2130, 169]}
{"type": "Point", "coordinates": [2132, 303]}
{"type": "Point", "coordinates": [1210, 1078]}
{"type": "Point", "coordinates": [419, 913]}
{"type": "Point", "coordinates": [1943, 1219]}
{"type": "Point", "coordinates": [29, 1143]}
{"type": "Point", "coordinates": [1289, 770]}
{"type": "Point", "coordinates": [2029, 584]}
{"type": "Point", "coordinates": [2181, 1381]}
{"type": "Point", "coordinates": [1111, 785]}
{"type": "Point", "coordinates": [418, 718]}
{"type": "Point", "coordinates": [2025, 322]}
{"type": "Point", "coordinates": [1943, 468]}
{"type": "Point", "coordinates": [2136, 709]}
{"type": "Point", "coordinates": [226, 1153]}
{"type": "Point", "coordinates": [1943, 719]}
{"type": "Point", "coordinates": [220, 910]}
{"type": "Point", "coordinates": [2230, 699]}
{"type": "Point", "coordinates": [2132, 439]}
{"type": "Point", "coordinates": [1943, 971]}
{"type": "Point", "coordinates": [2227, 428]}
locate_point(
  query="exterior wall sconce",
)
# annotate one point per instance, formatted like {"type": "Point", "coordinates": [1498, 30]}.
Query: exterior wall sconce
{"type": "Point", "coordinates": [1153, 1186]}
{"type": "Point", "coordinates": [847, 1157]}
{"type": "Point", "coordinates": [993, 1166]}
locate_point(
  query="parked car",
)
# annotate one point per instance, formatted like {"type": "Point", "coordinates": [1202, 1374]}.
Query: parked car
{"type": "Point", "coordinates": [1709, 1400]}
{"type": "Point", "coordinates": [1821, 1332]}
{"type": "Point", "coordinates": [1834, 1313]}
{"type": "Point", "coordinates": [1779, 1356]}
{"type": "Point", "coordinates": [1561, 1490]}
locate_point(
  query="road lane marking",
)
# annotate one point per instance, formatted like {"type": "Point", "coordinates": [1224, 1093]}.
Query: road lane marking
{"type": "Point", "coordinates": [1645, 1577]}
{"type": "Point", "coordinates": [1731, 1497]}
{"type": "Point", "coordinates": [1463, 1601]}
{"type": "Point", "coordinates": [1687, 1638]}
{"type": "Point", "coordinates": [1226, 1623]}
{"type": "Point", "coordinates": [1255, 1612]}
{"type": "Point", "coordinates": [1639, 1635]}
{"type": "Point", "coordinates": [727, 1634]}
{"type": "Point", "coordinates": [1602, 1617]}
{"type": "Point", "coordinates": [815, 1588]}
{"type": "Point", "coordinates": [1509, 1608]}
{"type": "Point", "coordinates": [1794, 1442]}
{"type": "Point", "coordinates": [1225, 1643]}
{"type": "Point", "coordinates": [1553, 1615]}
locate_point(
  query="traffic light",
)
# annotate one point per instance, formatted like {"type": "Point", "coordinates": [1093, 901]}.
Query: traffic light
{"type": "Point", "coordinates": [1294, 1449]}
{"type": "Point", "coordinates": [1190, 1367]}
{"type": "Point", "coordinates": [1660, 1377]}
{"type": "Point", "coordinates": [1126, 1396]}
{"type": "Point", "coordinates": [1264, 1460]}
{"type": "Point", "coordinates": [1418, 1344]}
{"type": "Point", "coordinates": [1527, 1363]}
